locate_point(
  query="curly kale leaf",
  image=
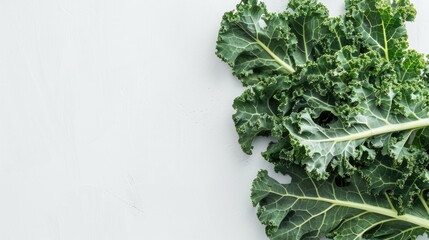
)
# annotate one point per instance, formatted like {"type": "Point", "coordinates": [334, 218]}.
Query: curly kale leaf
{"type": "Point", "coordinates": [344, 98]}
{"type": "Point", "coordinates": [381, 25]}
{"type": "Point", "coordinates": [257, 110]}
{"type": "Point", "coordinates": [257, 44]}
{"type": "Point", "coordinates": [309, 209]}
{"type": "Point", "coordinates": [403, 181]}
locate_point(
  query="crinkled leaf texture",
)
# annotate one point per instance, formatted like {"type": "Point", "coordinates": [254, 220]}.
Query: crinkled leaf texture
{"type": "Point", "coordinates": [404, 181]}
{"type": "Point", "coordinates": [310, 209]}
{"type": "Point", "coordinates": [381, 25]}
{"type": "Point", "coordinates": [342, 97]}
{"type": "Point", "coordinates": [340, 142]}
{"type": "Point", "coordinates": [338, 93]}
{"type": "Point", "coordinates": [292, 59]}
{"type": "Point", "coordinates": [257, 44]}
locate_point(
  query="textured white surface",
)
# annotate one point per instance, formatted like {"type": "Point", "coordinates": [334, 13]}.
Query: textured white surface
{"type": "Point", "coordinates": [115, 122]}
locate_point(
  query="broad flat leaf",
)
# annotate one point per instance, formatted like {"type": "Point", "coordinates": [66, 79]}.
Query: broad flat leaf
{"type": "Point", "coordinates": [309, 209]}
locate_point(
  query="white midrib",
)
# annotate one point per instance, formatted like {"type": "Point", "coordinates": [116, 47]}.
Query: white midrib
{"type": "Point", "coordinates": [286, 66]}
{"type": "Point", "coordinates": [417, 124]}
{"type": "Point", "coordinates": [365, 207]}
{"type": "Point", "coordinates": [275, 57]}
{"type": "Point", "coordinates": [386, 48]}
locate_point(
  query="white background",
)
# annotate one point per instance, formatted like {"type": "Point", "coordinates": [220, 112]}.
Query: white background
{"type": "Point", "coordinates": [115, 121]}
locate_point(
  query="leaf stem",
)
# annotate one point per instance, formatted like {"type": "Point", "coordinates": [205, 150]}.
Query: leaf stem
{"type": "Point", "coordinates": [390, 202]}
{"type": "Point", "coordinates": [386, 47]}
{"type": "Point", "coordinates": [422, 199]}
{"type": "Point", "coordinates": [417, 220]}
{"type": "Point", "coordinates": [286, 66]}
{"type": "Point", "coordinates": [421, 123]}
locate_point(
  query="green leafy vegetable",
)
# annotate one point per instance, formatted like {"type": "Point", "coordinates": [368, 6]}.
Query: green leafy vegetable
{"type": "Point", "coordinates": [381, 25]}
{"type": "Point", "coordinates": [344, 98]}
{"type": "Point", "coordinates": [306, 209]}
